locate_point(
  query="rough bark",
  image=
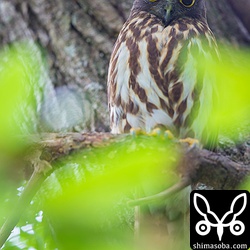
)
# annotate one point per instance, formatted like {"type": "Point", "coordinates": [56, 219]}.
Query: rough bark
{"type": "Point", "coordinates": [227, 22]}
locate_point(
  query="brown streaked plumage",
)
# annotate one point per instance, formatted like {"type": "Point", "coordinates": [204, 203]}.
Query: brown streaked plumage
{"type": "Point", "coordinates": [153, 76]}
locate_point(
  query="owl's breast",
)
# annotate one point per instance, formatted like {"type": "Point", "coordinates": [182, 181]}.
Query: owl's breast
{"type": "Point", "coordinates": [154, 79]}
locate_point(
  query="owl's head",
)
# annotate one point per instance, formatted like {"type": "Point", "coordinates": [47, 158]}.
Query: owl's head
{"type": "Point", "coordinates": [169, 10]}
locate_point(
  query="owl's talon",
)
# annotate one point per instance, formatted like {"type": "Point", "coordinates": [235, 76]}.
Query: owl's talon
{"type": "Point", "coordinates": [168, 134]}
{"type": "Point", "coordinates": [155, 132]}
{"type": "Point", "coordinates": [190, 141]}
{"type": "Point", "coordinates": [136, 131]}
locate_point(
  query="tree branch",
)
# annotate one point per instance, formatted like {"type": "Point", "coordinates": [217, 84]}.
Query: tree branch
{"type": "Point", "coordinates": [41, 171]}
{"type": "Point", "coordinates": [196, 165]}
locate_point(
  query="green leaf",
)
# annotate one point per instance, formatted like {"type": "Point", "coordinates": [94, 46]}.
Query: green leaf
{"type": "Point", "coordinates": [89, 210]}
{"type": "Point", "coordinates": [18, 81]}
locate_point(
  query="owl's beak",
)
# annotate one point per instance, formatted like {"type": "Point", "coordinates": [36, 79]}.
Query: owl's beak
{"type": "Point", "coordinates": [168, 13]}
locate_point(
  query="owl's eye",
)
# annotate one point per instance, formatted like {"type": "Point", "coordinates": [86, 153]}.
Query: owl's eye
{"type": "Point", "coordinates": [187, 3]}
{"type": "Point", "coordinates": [152, 1]}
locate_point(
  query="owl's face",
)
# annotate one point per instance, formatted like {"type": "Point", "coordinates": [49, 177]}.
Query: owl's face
{"type": "Point", "coordinates": [169, 10]}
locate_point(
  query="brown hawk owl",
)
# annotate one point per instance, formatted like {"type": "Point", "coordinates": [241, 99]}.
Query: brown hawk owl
{"type": "Point", "coordinates": [153, 78]}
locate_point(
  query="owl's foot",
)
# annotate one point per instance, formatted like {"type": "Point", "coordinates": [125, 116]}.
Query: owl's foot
{"type": "Point", "coordinates": [157, 132]}
{"type": "Point", "coordinates": [137, 131]}
{"type": "Point", "coordinates": [167, 134]}
{"type": "Point", "coordinates": [190, 141]}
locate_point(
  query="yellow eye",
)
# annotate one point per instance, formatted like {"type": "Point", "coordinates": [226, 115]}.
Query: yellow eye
{"type": "Point", "coordinates": [152, 1]}
{"type": "Point", "coordinates": [187, 3]}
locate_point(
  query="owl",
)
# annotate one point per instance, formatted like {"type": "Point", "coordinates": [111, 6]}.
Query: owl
{"type": "Point", "coordinates": [154, 77]}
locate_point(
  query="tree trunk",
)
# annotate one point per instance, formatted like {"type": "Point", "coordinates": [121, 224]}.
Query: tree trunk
{"type": "Point", "coordinates": [76, 38]}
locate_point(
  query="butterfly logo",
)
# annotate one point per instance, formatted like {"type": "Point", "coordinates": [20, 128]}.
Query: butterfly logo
{"type": "Point", "coordinates": [236, 227]}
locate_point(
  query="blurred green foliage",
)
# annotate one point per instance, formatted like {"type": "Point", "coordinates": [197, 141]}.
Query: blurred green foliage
{"type": "Point", "coordinates": [94, 206]}
{"type": "Point", "coordinates": [232, 77]}
{"type": "Point", "coordinates": [18, 82]}
{"type": "Point", "coordinates": [83, 204]}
